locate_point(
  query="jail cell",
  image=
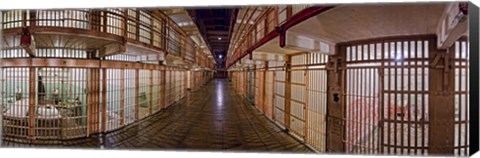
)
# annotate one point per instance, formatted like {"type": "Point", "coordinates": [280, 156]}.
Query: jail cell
{"type": "Point", "coordinates": [234, 79]}
{"type": "Point", "coordinates": [130, 102]}
{"type": "Point", "coordinates": [60, 103]}
{"type": "Point", "coordinates": [176, 88]}
{"type": "Point", "coordinates": [316, 108]}
{"type": "Point", "coordinates": [250, 85]}
{"type": "Point", "coordinates": [259, 88]}
{"type": "Point", "coordinates": [387, 97]}
{"type": "Point", "coordinates": [167, 88]}
{"type": "Point", "coordinates": [120, 99]}
{"type": "Point", "coordinates": [183, 77]}
{"type": "Point", "coordinates": [163, 87]}
{"type": "Point", "coordinates": [243, 83]}
{"type": "Point", "coordinates": [169, 85]}
{"type": "Point", "coordinates": [114, 98]}
{"type": "Point", "coordinates": [156, 91]}
{"type": "Point", "coordinates": [144, 93]}
{"type": "Point", "coordinates": [256, 89]}
{"type": "Point", "coordinates": [363, 98]}
{"type": "Point", "coordinates": [279, 97]}
{"type": "Point", "coordinates": [183, 83]}
{"type": "Point", "coordinates": [462, 95]}
{"type": "Point", "coordinates": [268, 100]}
{"type": "Point", "coordinates": [15, 92]}
{"type": "Point", "coordinates": [178, 85]}
{"type": "Point", "coordinates": [362, 110]}
{"type": "Point", "coordinates": [405, 96]}
{"type": "Point", "coordinates": [298, 94]}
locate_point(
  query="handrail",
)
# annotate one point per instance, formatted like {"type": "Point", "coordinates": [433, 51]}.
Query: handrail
{"type": "Point", "coordinates": [140, 26]}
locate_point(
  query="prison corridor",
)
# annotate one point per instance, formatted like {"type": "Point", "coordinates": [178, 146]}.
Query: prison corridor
{"type": "Point", "coordinates": [211, 118]}
{"type": "Point", "coordinates": [353, 79]}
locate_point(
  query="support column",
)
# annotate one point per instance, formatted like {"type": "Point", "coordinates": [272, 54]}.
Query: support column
{"type": "Point", "coordinates": [31, 103]}
{"type": "Point", "coordinates": [104, 99]}
{"type": "Point", "coordinates": [163, 80]}
{"type": "Point", "coordinates": [441, 113]}
{"type": "Point", "coordinates": [93, 108]}
{"type": "Point", "coordinates": [122, 97]}
{"type": "Point", "coordinates": [335, 134]}
{"type": "Point", "coordinates": [137, 106]}
{"type": "Point", "coordinates": [151, 92]}
{"type": "Point", "coordinates": [288, 66]}
{"type": "Point", "coordinates": [264, 86]}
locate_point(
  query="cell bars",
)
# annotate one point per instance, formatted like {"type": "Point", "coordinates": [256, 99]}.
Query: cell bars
{"type": "Point", "coordinates": [279, 97]}
{"type": "Point", "coordinates": [54, 108]}
{"type": "Point", "coordinates": [268, 99]}
{"type": "Point", "coordinates": [145, 93]}
{"type": "Point", "coordinates": [120, 97]}
{"type": "Point", "coordinates": [316, 101]}
{"type": "Point", "coordinates": [15, 91]}
{"type": "Point", "coordinates": [251, 85]}
{"type": "Point", "coordinates": [462, 95]}
{"type": "Point", "coordinates": [11, 49]}
{"type": "Point", "coordinates": [156, 91]}
{"type": "Point", "coordinates": [169, 91]}
{"type": "Point", "coordinates": [298, 98]}
{"type": "Point", "coordinates": [387, 97]}
{"type": "Point", "coordinates": [259, 88]}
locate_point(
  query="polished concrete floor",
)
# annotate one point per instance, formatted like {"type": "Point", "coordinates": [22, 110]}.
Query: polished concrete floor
{"type": "Point", "coordinates": [214, 118]}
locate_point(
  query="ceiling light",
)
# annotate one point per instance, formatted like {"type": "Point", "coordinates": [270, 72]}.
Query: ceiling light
{"type": "Point", "coordinates": [219, 38]}
{"type": "Point", "coordinates": [220, 56]}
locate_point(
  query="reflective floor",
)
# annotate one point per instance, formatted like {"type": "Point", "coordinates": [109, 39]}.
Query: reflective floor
{"type": "Point", "coordinates": [213, 118]}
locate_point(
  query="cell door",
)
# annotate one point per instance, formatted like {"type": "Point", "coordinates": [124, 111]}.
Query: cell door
{"type": "Point", "coordinates": [387, 97]}
{"type": "Point", "coordinates": [279, 97]}
{"type": "Point", "coordinates": [298, 95]}
{"type": "Point", "coordinates": [251, 85]}
{"type": "Point", "coordinates": [316, 102]}
{"type": "Point", "coordinates": [259, 88]}
{"type": "Point", "coordinates": [268, 102]}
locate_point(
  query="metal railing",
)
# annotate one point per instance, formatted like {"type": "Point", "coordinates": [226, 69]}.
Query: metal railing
{"type": "Point", "coordinates": [256, 23]}
{"type": "Point", "coordinates": [140, 26]}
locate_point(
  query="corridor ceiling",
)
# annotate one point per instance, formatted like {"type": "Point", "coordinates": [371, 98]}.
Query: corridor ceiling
{"type": "Point", "coordinates": [216, 26]}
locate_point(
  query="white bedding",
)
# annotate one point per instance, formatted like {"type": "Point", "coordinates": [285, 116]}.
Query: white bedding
{"type": "Point", "coordinates": [20, 109]}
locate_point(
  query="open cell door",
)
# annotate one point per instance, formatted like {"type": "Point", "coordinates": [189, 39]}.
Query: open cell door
{"type": "Point", "coordinates": [387, 97]}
